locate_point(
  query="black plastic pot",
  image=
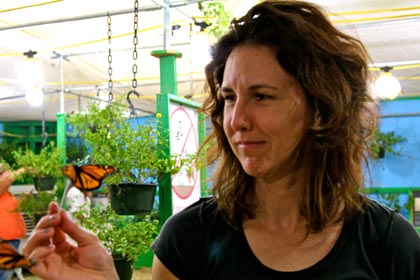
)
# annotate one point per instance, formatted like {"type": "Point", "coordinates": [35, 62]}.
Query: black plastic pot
{"type": "Point", "coordinates": [132, 199]}
{"type": "Point", "coordinates": [124, 268]}
{"type": "Point", "coordinates": [381, 153]}
{"type": "Point", "coordinates": [44, 183]}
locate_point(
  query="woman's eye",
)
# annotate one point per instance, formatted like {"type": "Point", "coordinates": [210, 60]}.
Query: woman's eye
{"type": "Point", "coordinates": [229, 98]}
{"type": "Point", "coordinates": [262, 97]}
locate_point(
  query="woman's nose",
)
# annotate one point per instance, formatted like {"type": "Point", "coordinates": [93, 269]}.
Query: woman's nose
{"type": "Point", "coordinates": [241, 116]}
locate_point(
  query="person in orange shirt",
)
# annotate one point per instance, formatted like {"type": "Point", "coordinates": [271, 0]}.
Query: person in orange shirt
{"type": "Point", "coordinates": [12, 226]}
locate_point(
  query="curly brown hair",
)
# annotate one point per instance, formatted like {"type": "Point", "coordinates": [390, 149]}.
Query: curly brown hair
{"type": "Point", "coordinates": [331, 68]}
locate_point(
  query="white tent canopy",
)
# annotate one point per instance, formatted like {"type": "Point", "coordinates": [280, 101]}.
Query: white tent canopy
{"type": "Point", "coordinates": [71, 41]}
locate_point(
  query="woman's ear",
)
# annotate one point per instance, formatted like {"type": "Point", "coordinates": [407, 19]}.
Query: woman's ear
{"type": "Point", "coordinates": [316, 121]}
{"type": "Point", "coordinates": [317, 118]}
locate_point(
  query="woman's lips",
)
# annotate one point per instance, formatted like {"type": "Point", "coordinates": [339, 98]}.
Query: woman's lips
{"type": "Point", "coordinates": [248, 144]}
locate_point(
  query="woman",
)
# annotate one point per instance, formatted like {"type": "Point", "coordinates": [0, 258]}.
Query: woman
{"type": "Point", "coordinates": [291, 113]}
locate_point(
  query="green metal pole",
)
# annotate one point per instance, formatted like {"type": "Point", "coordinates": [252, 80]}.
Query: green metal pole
{"type": "Point", "coordinates": [203, 169]}
{"type": "Point", "coordinates": [61, 134]}
{"type": "Point", "coordinates": [61, 144]}
{"type": "Point", "coordinates": [165, 183]}
{"type": "Point", "coordinates": [168, 85]}
{"type": "Point", "coordinates": [168, 79]}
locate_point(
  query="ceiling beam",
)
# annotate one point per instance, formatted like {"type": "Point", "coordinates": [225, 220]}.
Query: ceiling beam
{"type": "Point", "coordinates": [97, 15]}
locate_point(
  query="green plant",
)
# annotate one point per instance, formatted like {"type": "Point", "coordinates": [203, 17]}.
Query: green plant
{"type": "Point", "coordinates": [393, 200]}
{"type": "Point", "coordinates": [4, 165]}
{"type": "Point", "coordinates": [122, 236]}
{"type": "Point", "coordinates": [384, 143]}
{"type": "Point", "coordinates": [76, 151]}
{"type": "Point", "coordinates": [135, 152]}
{"type": "Point", "coordinates": [47, 163]}
{"type": "Point", "coordinates": [103, 191]}
{"type": "Point", "coordinates": [35, 204]}
{"type": "Point", "coordinates": [216, 16]}
{"type": "Point", "coordinates": [6, 152]}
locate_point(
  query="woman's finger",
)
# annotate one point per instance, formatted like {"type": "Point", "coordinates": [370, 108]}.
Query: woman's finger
{"type": "Point", "coordinates": [77, 233]}
{"type": "Point", "coordinates": [39, 254]}
{"type": "Point", "coordinates": [46, 263]}
{"type": "Point", "coordinates": [41, 234]}
{"type": "Point", "coordinates": [59, 235]}
{"type": "Point", "coordinates": [53, 208]}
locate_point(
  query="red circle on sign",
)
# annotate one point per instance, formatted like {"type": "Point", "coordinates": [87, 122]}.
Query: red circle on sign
{"type": "Point", "coordinates": [184, 192]}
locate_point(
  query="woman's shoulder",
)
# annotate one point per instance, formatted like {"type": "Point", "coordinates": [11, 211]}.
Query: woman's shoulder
{"type": "Point", "coordinates": [201, 219]}
{"type": "Point", "coordinates": [184, 240]}
{"type": "Point", "coordinates": [383, 221]}
{"type": "Point", "coordinates": [391, 242]}
{"type": "Point", "coordinates": [204, 206]}
{"type": "Point", "coordinates": [377, 209]}
{"type": "Point", "coordinates": [377, 214]}
{"type": "Point", "coordinates": [197, 213]}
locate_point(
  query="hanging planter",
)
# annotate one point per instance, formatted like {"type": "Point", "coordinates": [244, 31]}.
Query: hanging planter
{"type": "Point", "coordinates": [383, 142]}
{"type": "Point", "coordinates": [44, 183]}
{"type": "Point", "coordinates": [44, 167]}
{"type": "Point", "coordinates": [381, 152]}
{"type": "Point", "coordinates": [136, 151]}
{"type": "Point", "coordinates": [132, 198]}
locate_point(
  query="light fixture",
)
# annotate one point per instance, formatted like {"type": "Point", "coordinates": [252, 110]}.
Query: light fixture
{"type": "Point", "coordinates": [386, 86]}
{"type": "Point", "coordinates": [30, 76]}
{"type": "Point", "coordinates": [34, 96]}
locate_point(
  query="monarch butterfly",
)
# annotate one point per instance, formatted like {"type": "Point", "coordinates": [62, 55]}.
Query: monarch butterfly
{"type": "Point", "coordinates": [87, 177]}
{"type": "Point", "coordinates": [10, 258]}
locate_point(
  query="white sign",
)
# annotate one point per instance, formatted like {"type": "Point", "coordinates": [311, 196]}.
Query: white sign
{"type": "Point", "coordinates": [184, 141]}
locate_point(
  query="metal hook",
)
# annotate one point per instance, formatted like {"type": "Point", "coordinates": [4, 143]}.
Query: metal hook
{"type": "Point", "coordinates": [130, 104]}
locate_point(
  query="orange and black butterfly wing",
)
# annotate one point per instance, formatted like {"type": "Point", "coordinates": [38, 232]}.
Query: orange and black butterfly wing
{"type": "Point", "coordinates": [10, 258]}
{"type": "Point", "coordinates": [88, 177]}
{"type": "Point", "coordinates": [97, 172]}
{"type": "Point", "coordinates": [72, 173]}
{"type": "Point", "coordinates": [91, 176]}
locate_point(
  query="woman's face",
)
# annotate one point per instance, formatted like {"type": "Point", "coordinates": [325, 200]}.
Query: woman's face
{"type": "Point", "coordinates": [265, 113]}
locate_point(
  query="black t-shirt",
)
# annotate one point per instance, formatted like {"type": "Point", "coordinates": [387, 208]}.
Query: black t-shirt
{"type": "Point", "coordinates": [197, 244]}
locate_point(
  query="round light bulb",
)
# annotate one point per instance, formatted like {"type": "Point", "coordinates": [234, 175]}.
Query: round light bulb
{"type": "Point", "coordinates": [387, 86]}
{"type": "Point", "coordinates": [34, 96]}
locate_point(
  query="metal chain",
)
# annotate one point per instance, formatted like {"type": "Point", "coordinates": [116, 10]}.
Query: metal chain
{"type": "Point", "coordinates": [135, 42]}
{"type": "Point", "coordinates": [110, 82]}
{"type": "Point", "coordinates": [44, 132]}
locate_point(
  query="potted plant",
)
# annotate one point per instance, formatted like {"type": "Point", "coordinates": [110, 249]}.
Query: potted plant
{"type": "Point", "coordinates": [44, 167]}
{"type": "Point", "coordinates": [125, 237]}
{"type": "Point", "coordinates": [383, 142]}
{"type": "Point", "coordinates": [35, 205]}
{"type": "Point", "coordinates": [135, 151]}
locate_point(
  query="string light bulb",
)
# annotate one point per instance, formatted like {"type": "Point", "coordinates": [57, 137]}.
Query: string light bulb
{"type": "Point", "coordinates": [34, 96]}
{"type": "Point", "coordinates": [386, 86]}
{"type": "Point", "coordinates": [30, 77]}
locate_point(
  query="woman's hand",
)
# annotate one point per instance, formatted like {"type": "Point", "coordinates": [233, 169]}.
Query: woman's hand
{"type": "Point", "coordinates": [55, 255]}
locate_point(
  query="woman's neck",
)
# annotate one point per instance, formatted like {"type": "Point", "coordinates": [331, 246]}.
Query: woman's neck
{"type": "Point", "coordinates": [278, 203]}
